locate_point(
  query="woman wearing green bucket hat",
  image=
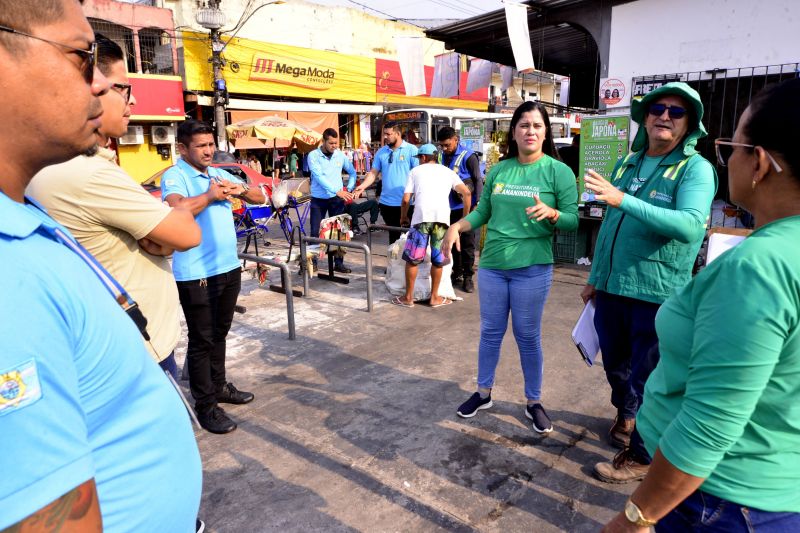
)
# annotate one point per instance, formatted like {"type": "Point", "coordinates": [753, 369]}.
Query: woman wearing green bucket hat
{"type": "Point", "coordinates": [659, 198]}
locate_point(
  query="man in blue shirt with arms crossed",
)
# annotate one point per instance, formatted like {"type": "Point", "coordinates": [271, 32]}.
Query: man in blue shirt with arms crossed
{"type": "Point", "coordinates": [209, 276]}
{"type": "Point", "coordinates": [96, 437]}
{"type": "Point", "coordinates": [327, 195]}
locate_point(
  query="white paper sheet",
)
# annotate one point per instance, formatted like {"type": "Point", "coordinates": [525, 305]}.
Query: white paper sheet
{"type": "Point", "coordinates": [718, 243]}
{"type": "Point", "coordinates": [585, 336]}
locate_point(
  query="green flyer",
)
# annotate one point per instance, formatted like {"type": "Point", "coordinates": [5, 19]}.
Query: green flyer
{"type": "Point", "coordinates": [604, 140]}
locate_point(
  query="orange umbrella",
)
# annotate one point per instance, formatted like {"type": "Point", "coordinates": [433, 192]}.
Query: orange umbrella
{"type": "Point", "coordinates": [273, 129]}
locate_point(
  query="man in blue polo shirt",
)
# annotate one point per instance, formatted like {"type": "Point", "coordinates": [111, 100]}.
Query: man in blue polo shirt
{"type": "Point", "coordinates": [209, 275]}
{"type": "Point", "coordinates": [94, 436]}
{"type": "Point", "coordinates": [393, 162]}
{"type": "Point", "coordinates": [327, 195]}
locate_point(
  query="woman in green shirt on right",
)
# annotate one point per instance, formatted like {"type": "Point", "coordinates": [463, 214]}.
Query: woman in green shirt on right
{"type": "Point", "coordinates": [527, 196]}
{"type": "Point", "coordinates": [721, 411]}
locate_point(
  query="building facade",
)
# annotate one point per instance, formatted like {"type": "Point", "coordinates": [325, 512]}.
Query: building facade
{"type": "Point", "coordinates": [147, 35]}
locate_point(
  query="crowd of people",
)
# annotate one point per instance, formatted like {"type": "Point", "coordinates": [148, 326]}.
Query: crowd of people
{"type": "Point", "coordinates": [703, 370]}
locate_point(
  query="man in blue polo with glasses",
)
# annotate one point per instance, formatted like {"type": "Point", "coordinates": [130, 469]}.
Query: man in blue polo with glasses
{"type": "Point", "coordinates": [659, 199]}
{"type": "Point", "coordinates": [95, 436]}
{"type": "Point", "coordinates": [393, 162]}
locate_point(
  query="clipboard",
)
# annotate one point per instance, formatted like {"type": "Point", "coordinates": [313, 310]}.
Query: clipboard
{"type": "Point", "coordinates": [585, 336]}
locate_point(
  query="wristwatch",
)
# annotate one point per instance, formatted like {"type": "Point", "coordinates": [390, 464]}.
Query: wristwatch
{"type": "Point", "coordinates": [634, 514]}
{"type": "Point", "coordinates": [245, 189]}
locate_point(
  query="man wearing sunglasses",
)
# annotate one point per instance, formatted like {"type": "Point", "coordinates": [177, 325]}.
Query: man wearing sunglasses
{"type": "Point", "coordinates": [97, 438]}
{"type": "Point", "coordinates": [122, 225]}
{"type": "Point", "coordinates": [659, 199]}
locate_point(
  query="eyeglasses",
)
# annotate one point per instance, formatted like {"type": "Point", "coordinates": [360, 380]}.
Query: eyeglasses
{"type": "Point", "coordinates": [391, 157]}
{"type": "Point", "coordinates": [674, 111]}
{"type": "Point", "coordinates": [724, 149]}
{"type": "Point", "coordinates": [89, 55]}
{"type": "Point", "coordinates": [124, 89]}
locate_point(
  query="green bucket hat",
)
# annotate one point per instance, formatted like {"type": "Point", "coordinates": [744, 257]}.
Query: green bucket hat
{"type": "Point", "coordinates": [678, 88]}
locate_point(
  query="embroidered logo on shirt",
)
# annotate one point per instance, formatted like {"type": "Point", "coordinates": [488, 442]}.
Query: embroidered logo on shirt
{"type": "Point", "coordinates": [19, 387]}
{"type": "Point", "coordinates": [169, 182]}
{"type": "Point", "coordinates": [660, 196]}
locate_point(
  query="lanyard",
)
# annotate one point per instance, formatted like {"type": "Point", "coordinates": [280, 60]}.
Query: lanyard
{"type": "Point", "coordinates": [114, 288]}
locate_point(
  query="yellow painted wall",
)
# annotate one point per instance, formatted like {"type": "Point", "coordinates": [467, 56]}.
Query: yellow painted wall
{"type": "Point", "coordinates": [141, 160]}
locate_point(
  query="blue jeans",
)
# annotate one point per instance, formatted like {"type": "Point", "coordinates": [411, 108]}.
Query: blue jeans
{"type": "Point", "coordinates": [169, 365]}
{"type": "Point", "coordinates": [626, 329]}
{"type": "Point", "coordinates": [522, 291]}
{"type": "Point", "coordinates": [322, 208]}
{"type": "Point", "coordinates": [702, 512]}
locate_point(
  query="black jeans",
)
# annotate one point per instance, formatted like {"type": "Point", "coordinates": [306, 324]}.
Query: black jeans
{"type": "Point", "coordinates": [354, 209]}
{"type": "Point", "coordinates": [321, 208]}
{"type": "Point", "coordinates": [208, 306]}
{"type": "Point", "coordinates": [391, 217]}
{"type": "Point", "coordinates": [463, 261]}
{"type": "Point", "coordinates": [626, 329]}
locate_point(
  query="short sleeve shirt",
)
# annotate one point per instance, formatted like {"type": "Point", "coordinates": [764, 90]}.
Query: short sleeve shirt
{"type": "Point", "coordinates": [80, 397]}
{"type": "Point", "coordinates": [394, 174]}
{"type": "Point", "coordinates": [431, 183]}
{"type": "Point", "coordinates": [217, 252]}
{"type": "Point", "coordinates": [108, 212]}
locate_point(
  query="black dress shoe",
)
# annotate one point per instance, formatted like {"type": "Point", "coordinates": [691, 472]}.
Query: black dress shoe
{"type": "Point", "coordinates": [230, 394]}
{"type": "Point", "coordinates": [215, 420]}
{"type": "Point", "coordinates": [468, 285]}
{"type": "Point", "coordinates": [341, 268]}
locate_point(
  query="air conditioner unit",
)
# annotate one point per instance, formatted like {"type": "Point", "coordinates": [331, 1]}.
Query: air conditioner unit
{"type": "Point", "coordinates": [134, 135]}
{"type": "Point", "coordinates": [162, 135]}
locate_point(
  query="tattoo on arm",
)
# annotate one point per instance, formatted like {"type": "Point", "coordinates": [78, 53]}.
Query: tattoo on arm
{"type": "Point", "coordinates": [77, 510]}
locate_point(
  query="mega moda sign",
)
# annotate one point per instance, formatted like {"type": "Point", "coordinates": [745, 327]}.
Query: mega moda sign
{"type": "Point", "coordinates": [259, 68]}
{"type": "Point", "coordinates": [283, 70]}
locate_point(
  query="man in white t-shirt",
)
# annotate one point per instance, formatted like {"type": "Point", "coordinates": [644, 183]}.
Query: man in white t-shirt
{"type": "Point", "coordinates": [430, 183]}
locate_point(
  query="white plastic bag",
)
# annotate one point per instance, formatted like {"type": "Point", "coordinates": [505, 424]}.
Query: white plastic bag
{"type": "Point", "coordinates": [396, 274]}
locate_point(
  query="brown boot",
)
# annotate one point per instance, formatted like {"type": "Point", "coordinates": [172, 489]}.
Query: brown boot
{"type": "Point", "coordinates": [619, 436]}
{"type": "Point", "coordinates": [623, 469]}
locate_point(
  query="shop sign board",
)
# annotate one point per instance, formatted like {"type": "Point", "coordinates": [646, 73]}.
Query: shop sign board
{"type": "Point", "coordinates": [642, 86]}
{"type": "Point", "coordinates": [604, 140]}
{"type": "Point", "coordinates": [158, 98]}
{"type": "Point", "coordinates": [260, 68]}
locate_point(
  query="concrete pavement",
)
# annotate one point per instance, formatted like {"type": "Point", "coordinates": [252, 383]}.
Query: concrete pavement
{"type": "Point", "coordinates": [354, 428]}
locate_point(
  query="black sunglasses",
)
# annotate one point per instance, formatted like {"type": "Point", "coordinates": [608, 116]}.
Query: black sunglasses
{"type": "Point", "coordinates": [391, 157]}
{"type": "Point", "coordinates": [674, 111]}
{"type": "Point", "coordinates": [124, 89]}
{"type": "Point", "coordinates": [89, 55]}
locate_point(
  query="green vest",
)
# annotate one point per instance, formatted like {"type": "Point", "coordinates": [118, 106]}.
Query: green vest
{"type": "Point", "coordinates": [630, 259]}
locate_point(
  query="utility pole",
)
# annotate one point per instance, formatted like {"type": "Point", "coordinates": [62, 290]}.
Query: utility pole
{"type": "Point", "coordinates": [212, 18]}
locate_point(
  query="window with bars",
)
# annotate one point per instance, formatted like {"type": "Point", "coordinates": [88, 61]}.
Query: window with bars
{"type": "Point", "coordinates": [156, 51]}
{"type": "Point", "coordinates": [119, 34]}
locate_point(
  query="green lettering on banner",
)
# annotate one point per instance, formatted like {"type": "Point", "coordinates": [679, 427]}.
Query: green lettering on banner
{"type": "Point", "coordinates": [604, 140]}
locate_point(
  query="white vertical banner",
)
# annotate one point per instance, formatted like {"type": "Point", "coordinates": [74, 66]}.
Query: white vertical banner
{"type": "Point", "coordinates": [564, 98]}
{"type": "Point", "coordinates": [480, 74]}
{"type": "Point", "coordinates": [518, 34]}
{"type": "Point", "coordinates": [446, 73]}
{"type": "Point", "coordinates": [507, 75]}
{"type": "Point", "coordinates": [412, 65]}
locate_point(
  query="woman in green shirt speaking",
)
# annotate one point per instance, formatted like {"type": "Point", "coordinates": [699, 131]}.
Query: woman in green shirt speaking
{"type": "Point", "coordinates": [526, 197]}
{"type": "Point", "coordinates": [721, 415]}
